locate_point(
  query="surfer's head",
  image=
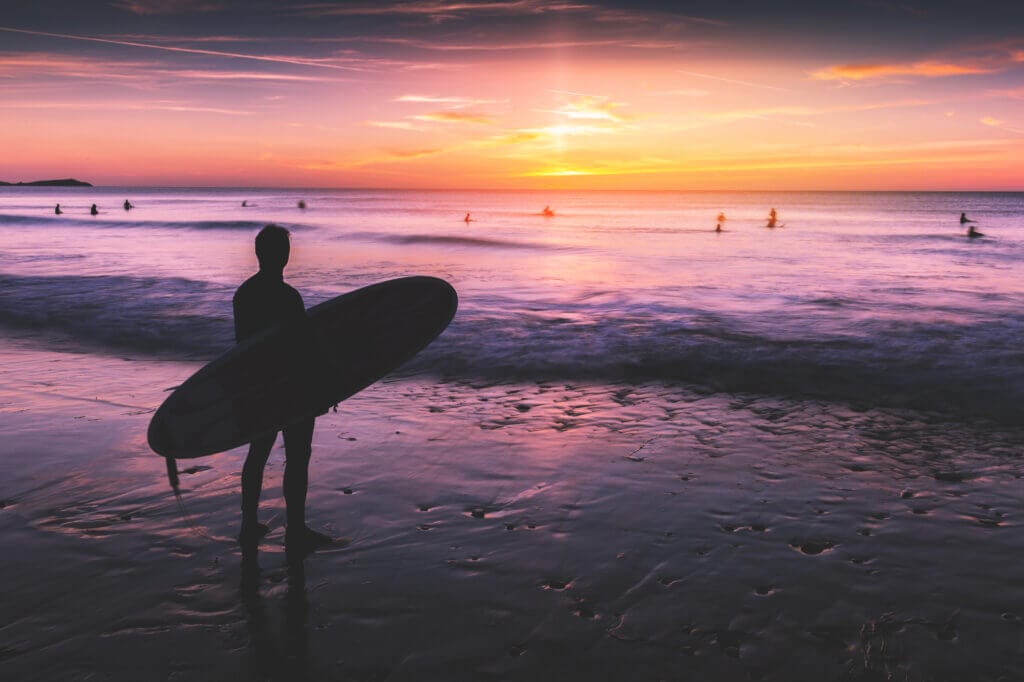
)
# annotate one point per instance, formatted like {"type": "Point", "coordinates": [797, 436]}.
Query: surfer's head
{"type": "Point", "coordinates": [272, 247]}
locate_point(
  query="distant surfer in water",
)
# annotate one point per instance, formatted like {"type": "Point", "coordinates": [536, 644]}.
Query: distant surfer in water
{"type": "Point", "coordinates": [264, 301]}
{"type": "Point", "coordinates": [971, 232]}
{"type": "Point", "coordinates": [547, 212]}
{"type": "Point", "coordinates": [93, 210]}
{"type": "Point", "coordinates": [721, 221]}
{"type": "Point", "coordinates": [128, 205]}
{"type": "Point", "coordinates": [302, 204]}
{"type": "Point", "coordinates": [772, 218]}
{"type": "Point", "coordinates": [244, 203]}
{"type": "Point", "coordinates": [57, 210]}
{"type": "Point", "coordinates": [467, 219]}
{"type": "Point", "coordinates": [964, 219]}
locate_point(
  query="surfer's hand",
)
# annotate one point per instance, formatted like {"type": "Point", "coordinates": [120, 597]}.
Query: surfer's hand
{"type": "Point", "coordinates": [328, 409]}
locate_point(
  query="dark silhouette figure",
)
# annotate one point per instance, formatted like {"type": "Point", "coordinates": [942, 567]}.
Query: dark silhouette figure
{"type": "Point", "coordinates": [718, 227]}
{"type": "Point", "coordinates": [772, 218]}
{"type": "Point", "coordinates": [57, 210]}
{"type": "Point", "coordinates": [965, 219]}
{"type": "Point", "coordinates": [93, 210]}
{"type": "Point", "coordinates": [262, 302]}
{"type": "Point", "coordinates": [128, 205]}
{"type": "Point", "coordinates": [467, 219]}
{"type": "Point", "coordinates": [302, 204]}
{"type": "Point", "coordinates": [972, 233]}
{"type": "Point", "coordinates": [547, 212]}
{"type": "Point", "coordinates": [244, 203]}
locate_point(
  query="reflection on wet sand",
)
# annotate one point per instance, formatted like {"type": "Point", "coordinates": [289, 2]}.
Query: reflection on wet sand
{"type": "Point", "coordinates": [284, 654]}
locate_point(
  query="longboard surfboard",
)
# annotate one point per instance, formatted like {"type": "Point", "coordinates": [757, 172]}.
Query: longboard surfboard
{"type": "Point", "coordinates": [292, 372]}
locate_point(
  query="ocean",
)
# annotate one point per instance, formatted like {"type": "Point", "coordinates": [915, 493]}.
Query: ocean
{"type": "Point", "coordinates": [643, 449]}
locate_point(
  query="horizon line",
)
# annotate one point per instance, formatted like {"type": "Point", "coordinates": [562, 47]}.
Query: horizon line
{"type": "Point", "coordinates": [510, 189]}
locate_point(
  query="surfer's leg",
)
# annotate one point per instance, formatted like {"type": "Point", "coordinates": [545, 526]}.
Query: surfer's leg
{"type": "Point", "coordinates": [298, 444]}
{"type": "Point", "coordinates": [252, 480]}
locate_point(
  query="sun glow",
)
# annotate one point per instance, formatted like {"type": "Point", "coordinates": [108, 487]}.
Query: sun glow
{"type": "Point", "coordinates": [603, 105]}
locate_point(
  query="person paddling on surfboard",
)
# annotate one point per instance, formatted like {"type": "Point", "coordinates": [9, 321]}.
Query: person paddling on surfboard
{"type": "Point", "coordinates": [262, 302]}
{"type": "Point", "coordinates": [965, 219]}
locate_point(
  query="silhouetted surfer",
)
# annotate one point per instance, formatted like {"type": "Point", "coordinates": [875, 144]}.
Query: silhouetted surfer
{"type": "Point", "coordinates": [128, 205]}
{"type": "Point", "coordinates": [302, 204]}
{"type": "Point", "coordinates": [972, 233]}
{"type": "Point", "coordinates": [547, 212]}
{"type": "Point", "coordinates": [57, 210]}
{"type": "Point", "coordinates": [93, 210]}
{"type": "Point", "coordinates": [264, 301]}
{"type": "Point", "coordinates": [965, 219]}
{"type": "Point", "coordinates": [772, 218]}
{"type": "Point", "coordinates": [467, 219]}
{"type": "Point", "coordinates": [244, 203]}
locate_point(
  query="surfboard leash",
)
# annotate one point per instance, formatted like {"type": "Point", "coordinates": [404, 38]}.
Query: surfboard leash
{"type": "Point", "coordinates": [172, 478]}
{"type": "Point", "coordinates": [172, 474]}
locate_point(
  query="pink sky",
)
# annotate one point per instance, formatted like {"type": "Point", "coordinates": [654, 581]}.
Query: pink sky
{"type": "Point", "coordinates": [580, 102]}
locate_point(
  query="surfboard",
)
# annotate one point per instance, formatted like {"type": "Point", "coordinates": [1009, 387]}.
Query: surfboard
{"type": "Point", "coordinates": [292, 372]}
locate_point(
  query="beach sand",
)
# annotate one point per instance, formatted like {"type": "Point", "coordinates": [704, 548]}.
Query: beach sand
{"type": "Point", "coordinates": [509, 531]}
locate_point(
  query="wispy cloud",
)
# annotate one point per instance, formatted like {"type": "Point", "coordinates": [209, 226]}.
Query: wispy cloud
{"type": "Point", "coordinates": [999, 123]}
{"type": "Point", "coordinates": [529, 45]}
{"type": "Point", "coordinates": [167, 6]}
{"type": "Point", "coordinates": [589, 108]}
{"type": "Point", "coordinates": [445, 8]}
{"type": "Point", "coordinates": [457, 102]}
{"type": "Point", "coordinates": [395, 125]}
{"type": "Point", "coordinates": [119, 105]}
{"type": "Point", "coordinates": [678, 92]}
{"type": "Point", "coordinates": [455, 117]}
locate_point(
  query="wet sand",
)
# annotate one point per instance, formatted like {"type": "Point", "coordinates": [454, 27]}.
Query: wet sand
{"type": "Point", "coordinates": [510, 531]}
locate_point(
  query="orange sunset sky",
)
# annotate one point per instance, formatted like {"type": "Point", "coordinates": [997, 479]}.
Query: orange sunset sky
{"type": "Point", "coordinates": [515, 94]}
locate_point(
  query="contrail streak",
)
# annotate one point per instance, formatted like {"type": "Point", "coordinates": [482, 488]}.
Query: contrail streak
{"type": "Point", "coordinates": [730, 80]}
{"type": "Point", "coordinates": [188, 50]}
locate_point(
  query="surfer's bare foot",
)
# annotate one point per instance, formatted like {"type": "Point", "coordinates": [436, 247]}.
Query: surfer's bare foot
{"type": "Point", "coordinates": [305, 539]}
{"type": "Point", "coordinates": [252, 532]}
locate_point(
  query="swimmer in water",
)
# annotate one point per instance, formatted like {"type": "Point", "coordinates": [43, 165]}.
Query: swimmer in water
{"type": "Point", "coordinates": [547, 212]}
{"type": "Point", "coordinates": [467, 219]}
{"type": "Point", "coordinates": [93, 210]}
{"type": "Point", "coordinates": [965, 219]}
{"type": "Point", "coordinates": [57, 210]}
{"type": "Point", "coordinates": [772, 218]}
{"type": "Point", "coordinates": [972, 233]}
{"type": "Point", "coordinates": [302, 205]}
{"type": "Point", "coordinates": [128, 205]}
{"type": "Point", "coordinates": [244, 203]}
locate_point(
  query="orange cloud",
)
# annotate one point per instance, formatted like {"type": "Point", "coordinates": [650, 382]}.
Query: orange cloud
{"type": "Point", "coordinates": [455, 117]}
{"type": "Point", "coordinates": [928, 69]}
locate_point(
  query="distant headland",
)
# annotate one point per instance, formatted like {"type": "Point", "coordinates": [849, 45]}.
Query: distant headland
{"type": "Point", "coordinates": [66, 182]}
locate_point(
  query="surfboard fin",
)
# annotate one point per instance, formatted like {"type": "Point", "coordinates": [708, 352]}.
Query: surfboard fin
{"type": "Point", "coordinates": [172, 474]}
